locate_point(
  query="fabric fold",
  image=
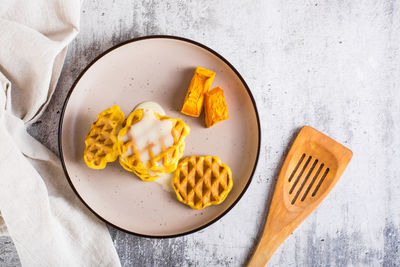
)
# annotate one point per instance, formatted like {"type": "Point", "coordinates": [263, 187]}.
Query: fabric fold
{"type": "Point", "coordinates": [38, 209]}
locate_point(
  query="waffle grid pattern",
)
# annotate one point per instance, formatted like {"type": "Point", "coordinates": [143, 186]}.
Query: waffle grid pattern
{"type": "Point", "coordinates": [202, 181]}
{"type": "Point", "coordinates": [101, 141]}
{"type": "Point", "coordinates": [164, 162]}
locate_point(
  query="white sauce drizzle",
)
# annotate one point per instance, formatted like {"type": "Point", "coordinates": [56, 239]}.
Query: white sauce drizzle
{"type": "Point", "coordinates": [151, 125]}
{"type": "Point", "coordinates": [166, 181]}
{"type": "Point", "coordinates": [151, 105]}
{"type": "Point", "coordinates": [150, 131]}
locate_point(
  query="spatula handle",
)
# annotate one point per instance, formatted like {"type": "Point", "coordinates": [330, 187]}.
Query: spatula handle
{"type": "Point", "coordinates": [265, 249]}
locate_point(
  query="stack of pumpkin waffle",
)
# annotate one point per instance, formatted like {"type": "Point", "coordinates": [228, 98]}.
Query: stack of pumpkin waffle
{"type": "Point", "coordinates": [198, 182]}
{"type": "Point", "coordinates": [159, 162]}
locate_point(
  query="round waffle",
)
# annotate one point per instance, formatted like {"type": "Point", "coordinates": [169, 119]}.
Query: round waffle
{"type": "Point", "coordinates": [101, 142]}
{"type": "Point", "coordinates": [202, 181]}
{"type": "Point", "coordinates": [159, 162]}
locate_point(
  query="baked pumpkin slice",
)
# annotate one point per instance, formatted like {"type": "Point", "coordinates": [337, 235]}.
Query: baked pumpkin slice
{"type": "Point", "coordinates": [215, 107]}
{"type": "Point", "coordinates": [199, 85]}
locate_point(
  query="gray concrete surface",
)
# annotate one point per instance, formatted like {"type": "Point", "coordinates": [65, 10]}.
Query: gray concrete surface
{"type": "Point", "coordinates": [334, 65]}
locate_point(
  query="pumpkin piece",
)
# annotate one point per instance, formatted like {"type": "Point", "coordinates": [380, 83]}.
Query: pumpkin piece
{"type": "Point", "coordinates": [215, 107]}
{"type": "Point", "coordinates": [200, 84]}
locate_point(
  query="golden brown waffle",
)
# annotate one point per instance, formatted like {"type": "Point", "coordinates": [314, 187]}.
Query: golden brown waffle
{"type": "Point", "coordinates": [202, 181]}
{"type": "Point", "coordinates": [101, 141]}
{"type": "Point", "coordinates": [164, 162]}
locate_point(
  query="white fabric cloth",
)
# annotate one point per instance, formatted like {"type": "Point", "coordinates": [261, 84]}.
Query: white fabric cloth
{"type": "Point", "coordinates": [46, 221]}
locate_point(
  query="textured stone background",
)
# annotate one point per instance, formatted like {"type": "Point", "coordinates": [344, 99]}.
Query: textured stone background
{"type": "Point", "coordinates": [334, 65]}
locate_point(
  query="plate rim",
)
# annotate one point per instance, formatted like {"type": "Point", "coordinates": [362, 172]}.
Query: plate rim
{"type": "Point", "coordinates": [102, 54]}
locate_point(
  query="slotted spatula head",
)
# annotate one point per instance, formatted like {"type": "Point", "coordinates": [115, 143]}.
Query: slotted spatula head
{"type": "Point", "coordinates": [312, 167]}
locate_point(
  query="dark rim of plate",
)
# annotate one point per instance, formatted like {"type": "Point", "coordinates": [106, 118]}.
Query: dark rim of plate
{"type": "Point", "coordinates": [141, 39]}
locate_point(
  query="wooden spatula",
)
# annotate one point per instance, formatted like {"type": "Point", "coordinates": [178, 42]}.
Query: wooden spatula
{"type": "Point", "coordinates": [313, 166]}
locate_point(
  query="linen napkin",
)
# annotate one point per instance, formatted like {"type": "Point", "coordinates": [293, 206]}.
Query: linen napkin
{"type": "Point", "coordinates": [38, 209]}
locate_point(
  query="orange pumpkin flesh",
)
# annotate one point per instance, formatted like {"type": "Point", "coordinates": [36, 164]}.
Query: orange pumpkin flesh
{"type": "Point", "coordinates": [200, 84]}
{"type": "Point", "coordinates": [215, 107]}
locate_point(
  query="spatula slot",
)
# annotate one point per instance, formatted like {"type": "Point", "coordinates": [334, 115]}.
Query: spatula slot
{"type": "Point", "coordinates": [297, 167]}
{"type": "Point", "coordinates": [300, 174]}
{"type": "Point", "coordinates": [304, 181]}
{"type": "Point", "coordinates": [312, 181]}
{"type": "Point", "coordinates": [320, 182]}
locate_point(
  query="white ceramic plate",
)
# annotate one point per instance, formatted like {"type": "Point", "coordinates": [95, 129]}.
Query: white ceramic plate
{"type": "Point", "coordinates": [156, 68]}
